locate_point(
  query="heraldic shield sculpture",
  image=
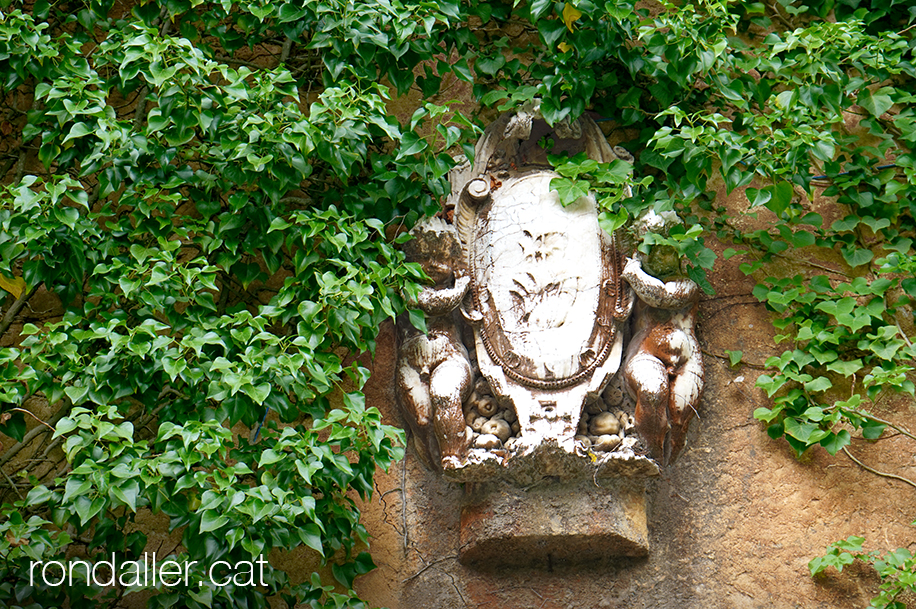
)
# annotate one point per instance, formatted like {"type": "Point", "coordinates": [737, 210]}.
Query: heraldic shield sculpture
{"type": "Point", "coordinates": [554, 358]}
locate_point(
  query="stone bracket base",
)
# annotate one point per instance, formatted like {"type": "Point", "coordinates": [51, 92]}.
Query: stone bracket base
{"type": "Point", "coordinates": [554, 524]}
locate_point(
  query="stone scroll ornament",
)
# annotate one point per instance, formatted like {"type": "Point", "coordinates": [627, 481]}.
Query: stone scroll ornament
{"type": "Point", "coordinates": [529, 309]}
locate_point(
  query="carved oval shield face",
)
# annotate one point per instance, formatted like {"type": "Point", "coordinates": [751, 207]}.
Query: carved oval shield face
{"type": "Point", "coordinates": [543, 282]}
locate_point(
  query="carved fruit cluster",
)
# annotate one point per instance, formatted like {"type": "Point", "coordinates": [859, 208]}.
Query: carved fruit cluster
{"type": "Point", "coordinates": [604, 427]}
{"type": "Point", "coordinates": [488, 425]}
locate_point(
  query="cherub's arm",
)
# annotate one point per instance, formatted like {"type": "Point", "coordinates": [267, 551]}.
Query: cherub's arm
{"type": "Point", "coordinates": [442, 301]}
{"type": "Point", "coordinates": [656, 293]}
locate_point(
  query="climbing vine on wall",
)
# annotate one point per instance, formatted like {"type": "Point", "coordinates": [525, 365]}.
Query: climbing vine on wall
{"type": "Point", "coordinates": [207, 188]}
{"type": "Point", "coordinates": [213, 191]}
{"type": "Point", "coordinates": [784, 101]}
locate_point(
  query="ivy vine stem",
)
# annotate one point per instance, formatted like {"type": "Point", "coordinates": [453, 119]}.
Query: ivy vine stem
{"type": "Point", "coordinates": [876, 472]}
{"type": "Point", "coordinates": [31, 435]}
{"type": "Point", "coordinates": [893, 426]}
{"type": "Point", "coordinates": [33, 415]}
{"type": "Point", "coordinates": [15, 308]}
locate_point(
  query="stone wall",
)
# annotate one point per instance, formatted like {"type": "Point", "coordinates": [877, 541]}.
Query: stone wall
{"type": "Point", "coordinates": [732, 524]}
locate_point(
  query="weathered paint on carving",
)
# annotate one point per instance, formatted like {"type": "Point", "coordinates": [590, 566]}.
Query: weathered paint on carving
{"type": "Point", "coordinates": [547, 302]}
{"type": "Point", "coordinates": [433, 372]}
{"type": "Point", "coordinates": [544, 282]}
{"type": "Point", "coordinates": [664, 368]}
{"type": "Point", "coordinates": [542, 289]}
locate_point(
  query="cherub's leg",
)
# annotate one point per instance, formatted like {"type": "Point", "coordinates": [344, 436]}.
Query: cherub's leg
{"type": "Point", "coordinates": [686, 390]}
{"type": "Point", "coordinates": [415, 397]}
{"type": "Point", "coordinates": [449, 385]}
{"type": "Point", "coordinates": [647, 382]}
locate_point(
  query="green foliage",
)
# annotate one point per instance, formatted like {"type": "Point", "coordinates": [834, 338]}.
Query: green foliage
{"type": "Point", "coordinates": [213, 190]}
{"type": "Point", "coordinates": [759, 98]}
{"type": "Point", "coordinates": [216, 232]}
{"type": "Point", "coordinates": [847, 331]}
{"type": "Point", "coordinates": [897, 569]}
{"type": "Point", "coordinates": [609, 183]}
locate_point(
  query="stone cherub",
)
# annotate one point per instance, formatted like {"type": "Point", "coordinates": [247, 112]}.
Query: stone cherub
{"type": "Point", "coordinates": [433, 373]}
{"type": "Point", "coordinates": [664, 367]}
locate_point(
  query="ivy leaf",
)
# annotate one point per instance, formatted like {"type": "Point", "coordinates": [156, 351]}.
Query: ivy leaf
{"type": "Point", "coordinates": [836, 441]}
{"type": "Point", "coordinates": [290, 12]}
{"type": "Point", "coordinates": [861, 320]}
{"type": "Point", "coordinates": [846, 224]}
{"type": "Point", "coordinates": [205, 596]}
{"type": "Point", "coordinates": [211, 520]}
{"type": "Point", "coordinates": [901, 245]}
{"type": "Point", "coordinates": [492, 97]}
{"type": "Point", "coordinates": [616, 172]}
{"type": "Point", "coordinates": [766, 415]}
{"type": "Point", "coordinates": [872, 430]}
{"type": "Point", "coordinates": [269, 457]}
{"type": "Point", "coordinates": [38, 495]}
{"type": "Point", "coordinates": [78, 130]}
{"type": "Point", "coordinates": [781, 198]}
{"type": "Point", "coordinates": [570, 15]}
{"type": "Point", "coordinates": [812, 219]}
{"type": "Point", "coordinates": [806, 433]}
{"type": "Point", "coordinates": [846, 368]}
{"type": "Point", "coordinates": [539, 7]}
{"type": "Point", "coordinates": [570, 191]}
{"type": "Point", "coordinates": [824, 151]}
{"type": "Point", "coordinates": [15, 286]}
{"type": "Point", "coordinates": [909, 286]}
{"type": "Point", "coordinates": [461, 69]}
{"type": "Point", "coordinates": [819, 384]}
{"type": "Point", "coordinates": [698, 275]}
{"type": "Point", "coordinates": [411, 144]}
{"type": "Point", "coordinates": [610, 222]}
{"type": "Point", "coordinates": [876, 103]}
{"type": "Point", "coordinates": [786, 99]}
{"type": "Point", "coordinates": [776, 430]}
{"type": "Point", "coordinates": [14, 426]}
{"type": "Point", "coordinates": [850, 544]}
{"type": "Point", "coordinates": [127, 492]}
{"type": "Point", "coordinates": [758, 197]}
{"type": "Point", "coordinates": [310, 535]}
{"type": "Point", "coordinates": [814, 413]}
{"type": "Point", "coordinates": [702, 257]}
{"type": "Point", "coordinates": [876, 224]}
{"type": "Point", "coordinates": [857, 256]}
{"type": "Point", "coordinates": [258, 393]}
{"type": "Point", "coordinates": [418, 320]}
{"type": "Point", "coordinates": [490, 64]}
{"type": "Point", "coordinates": [802, 239]}
{"type": "Point", "coordinates": [246, 273]}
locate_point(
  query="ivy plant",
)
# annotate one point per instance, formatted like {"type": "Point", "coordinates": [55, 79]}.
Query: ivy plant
{"type": "Point", "coordinates": [790, 104]}
{"type": "Point", "coordinates": [214, 191]}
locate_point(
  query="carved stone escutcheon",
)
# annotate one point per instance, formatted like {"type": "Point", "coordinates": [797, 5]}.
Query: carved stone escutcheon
{"type": "Point", "coordinates": [547, 302]}
{"type": "Point", "coordinates": [519, 382]}
{"type": "Point", "coordinates": [537, 272]}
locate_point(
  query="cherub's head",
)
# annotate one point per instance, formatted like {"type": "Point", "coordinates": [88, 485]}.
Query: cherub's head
{"type": "Point", "coordinates": [662, 260]}
{"type": "Point", "coordinates": [436, 248]}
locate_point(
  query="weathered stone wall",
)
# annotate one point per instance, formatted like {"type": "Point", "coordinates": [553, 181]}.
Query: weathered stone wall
{"type": "Point", "coordinates": [733, 523]}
